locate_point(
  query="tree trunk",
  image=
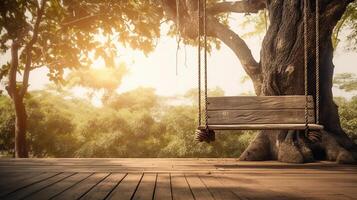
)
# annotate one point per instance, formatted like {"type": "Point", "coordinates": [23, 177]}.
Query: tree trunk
{"type": "Point", "coordinates": [282, 64]}
{"type": "Point", "coordinates": [20, 129]}
{"type": "Point", "coordinates": [17, 97]}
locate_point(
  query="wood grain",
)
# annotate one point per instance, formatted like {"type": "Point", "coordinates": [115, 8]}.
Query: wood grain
{"type": "Point", "coordinates": [82, 187]}
{"type": "Point", "coordinates": [127, 187]}
{"type": "Point", "coordinates": [163, 187]}
{"type": "Point", "coordinates": [12, 181]}
{"type": "Point", "coordinates": [291, 116]}
{"type": "Point", "coordinates": [36, 187]}
{"type": "Point", "coordinates": [199, 189]}
{"type": "Point", "coordinates": [218, 191]}
{"type": "Point", "coordinates": [192, 178]}
{"type": "Point", "coordinates": [102, 189]}
{"type": "Point", "coordinates": [180, 188]}
{"type": "Point", "coordinates": [146, 188]}
{"type": "Point", "coordinates": [59, 187]}
{"type": "Point", "coordinates": [264, 127]}
{"type": "Point", "coordinates": [258, 102]}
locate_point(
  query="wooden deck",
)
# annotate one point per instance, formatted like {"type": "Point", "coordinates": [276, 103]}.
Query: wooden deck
{"type": "Point", "coordinates": [185, 179]}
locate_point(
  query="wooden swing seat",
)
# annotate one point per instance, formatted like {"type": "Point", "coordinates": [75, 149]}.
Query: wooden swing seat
{"type": "Point", "coordinates": [260, 113]}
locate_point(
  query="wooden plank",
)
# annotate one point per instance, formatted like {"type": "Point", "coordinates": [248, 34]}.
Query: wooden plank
{"type": "Point", "coordinates": [218, 191]}
{"type": "Point", "coordinates": [292, 116]}
{"type": "Point", "coordinates": [24, 192]}
{"type": "Point", "coordinates": [258, 102]}
{"type": "Point", "coordinates": [58, 187]}
{"type": "Point", "coordinates": [264, 127]}
{"type": "Point", "coordinates": [163, 187]}
{"type": "Point", "coordinates": [81, 188]}
{"type": "Point", "coordinates": [198, 188]}
{"type": "Point", "coordinates": [13, 181]}
{"type": "Point", "coordinates": [146, 188]}
{"type": "Point", "coordinates": [246, 187]}
{"type": "Point", "coordinates": [102, 189]}
{"type": "Point", "coordinates": [14, 185]}
{"type": "Point", "coordinates": [180, 188]}
{"type": "Point", "coordinates": [127, 187]}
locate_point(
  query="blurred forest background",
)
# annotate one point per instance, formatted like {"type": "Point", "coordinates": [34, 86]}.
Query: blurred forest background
{"type": "Point", "coordinates": [137, 123]}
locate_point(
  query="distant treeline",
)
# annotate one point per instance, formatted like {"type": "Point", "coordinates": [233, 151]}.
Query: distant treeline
{"type": "Point", "coordinates": [138, 123]}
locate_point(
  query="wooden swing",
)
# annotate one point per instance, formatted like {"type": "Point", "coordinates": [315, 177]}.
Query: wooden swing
{"type": "Point", "coordinates": [296, 112]}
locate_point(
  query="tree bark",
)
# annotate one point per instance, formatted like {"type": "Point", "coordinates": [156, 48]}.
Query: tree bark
{"type": "Point", "coordinates": [282, 64]}
{"type": "Point", "coordinates": [20, 129]}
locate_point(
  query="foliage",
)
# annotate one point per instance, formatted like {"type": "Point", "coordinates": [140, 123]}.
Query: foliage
{"type": "Point", "coordinates": [98, 78]}
{"type": "Point", "coordinates": [7, 125]}
{"type": "Point", "coordinates": [260, 24]}
{"type": "Point", "coordinates": [346, 81]}
{"type": "Point", "coordinates": [347, 107]}
{"type": "Point", "coordinates": [134, 124]}
{"type": "Point", "coordinates": [348, 115]}
{"type": "Point", "coordinates": [347, 23]}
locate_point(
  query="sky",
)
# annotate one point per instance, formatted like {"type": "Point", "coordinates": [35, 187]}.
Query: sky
{"type": "Point", "coordinates": [158, 69]}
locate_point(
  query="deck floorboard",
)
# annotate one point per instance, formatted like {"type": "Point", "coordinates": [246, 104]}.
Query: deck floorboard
{"type": "Point", "coordinates": [173, 179]}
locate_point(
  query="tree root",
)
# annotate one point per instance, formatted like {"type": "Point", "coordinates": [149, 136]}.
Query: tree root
{"type": "Point", "coordinates": [295, 147]}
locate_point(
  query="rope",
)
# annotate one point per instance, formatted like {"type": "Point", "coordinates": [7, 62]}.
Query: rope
{"type": "Point", "coordinates": [305, 68]}
{"type": "Point", "coordinates": [317, 72]}
{"type": "Point", "coordinates": [178, 38]}
{"type": "Point", "coordinates": [199, 63]}
{"type": "Point", "coordinates": [205, 60]}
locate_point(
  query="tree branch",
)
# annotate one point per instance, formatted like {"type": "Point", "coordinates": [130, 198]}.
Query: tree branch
{"type": "Point", "coordinates": [335, 9]}
{"type": "Point", "coordinates": [11, 88]}
{"type": "Point", "coordinates": [28, 49]}
{"type": "Point", "coordinates": [82, 19]}
{"type": "Point", "coordinates": [223, 33]}
{"type": "Point", "coordinates": [244, 6]}
{"type": "Point", "coordinates": [238, 46]}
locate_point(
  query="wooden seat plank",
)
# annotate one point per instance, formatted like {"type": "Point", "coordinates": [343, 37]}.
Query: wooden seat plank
{"type": "Point", "coordinates": [296, 116]}
{"type": "Point", "coordinates": [263, 127]}
{"type": "Point", "coordinates": [259, 102]}
{"type": "Point", "coordinates": [261, 113]}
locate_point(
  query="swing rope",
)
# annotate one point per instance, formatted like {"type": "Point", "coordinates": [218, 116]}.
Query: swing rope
{"type": "Point", "coordinates": [317, 62]}
{"type": "Point", "coordinates": [317, 67]}
{"type": "Point", "coordinates": [205, 64]}
{"type": "Point", "coordinates": [199, 63]}
{"type": "Point", "coordinates": [305, 68]}
{"type": "Point", "coordinates": [205, 60]}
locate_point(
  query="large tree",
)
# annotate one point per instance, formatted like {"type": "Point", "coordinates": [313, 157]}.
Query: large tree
{"type": "Point", "coordinates": [280, 70]}
{"type": "Point", "coordinates": [31, 32]}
